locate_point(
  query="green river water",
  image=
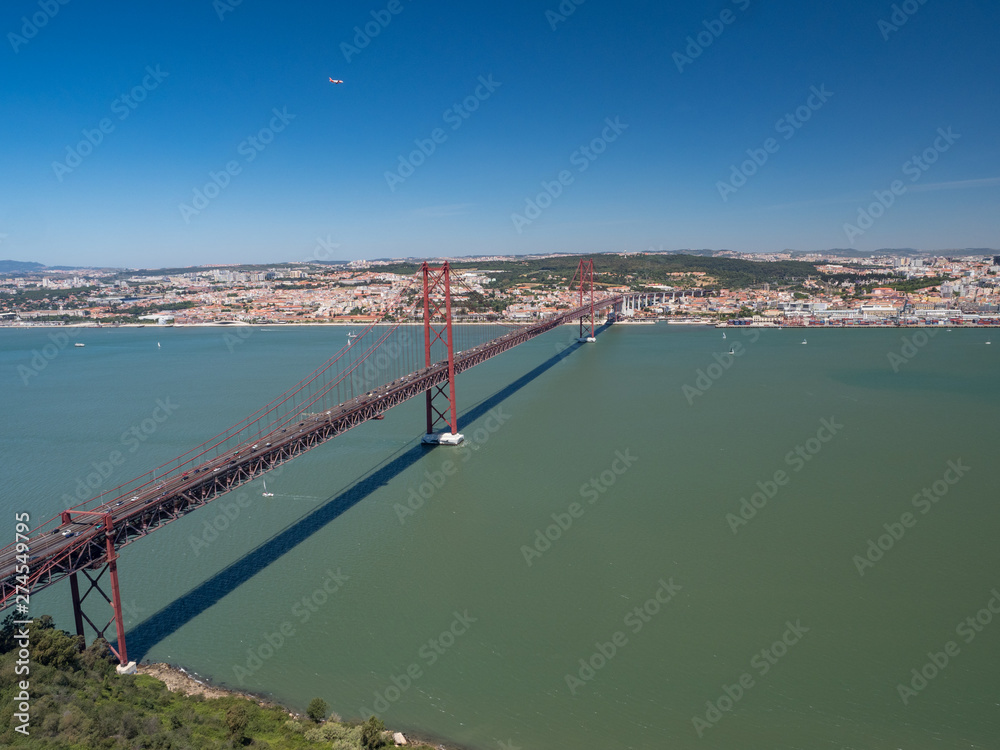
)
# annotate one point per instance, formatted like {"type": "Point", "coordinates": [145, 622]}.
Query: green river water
{"type": "Point", "coordinates": [590, 570]}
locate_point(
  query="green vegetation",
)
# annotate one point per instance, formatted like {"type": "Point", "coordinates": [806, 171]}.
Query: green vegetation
{"type": "Point", "coordinates": [127, 275]}
{"type": "Point", "coordinates": [25, 297]}
{"type": "Point", "coordinates": [156, 307]}
{"type": "Point", "coordinates": [864, 283]}
{"type": "Point", "coordinates": [641, 269]}
{"type": "Point", "coordinates": [474, 302]}
{"type": "Point", "coordinates": [317, 709]}
{"type": "Point", "coordinates": [910, 285]}
{"type": "Point", "coordinates": [79, 702]}
{"type": "Point", "coordinates": [371, 734]}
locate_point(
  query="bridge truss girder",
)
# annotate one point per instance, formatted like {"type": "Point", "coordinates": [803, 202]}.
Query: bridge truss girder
{"type": "Point", "coordinates": [97, 548]}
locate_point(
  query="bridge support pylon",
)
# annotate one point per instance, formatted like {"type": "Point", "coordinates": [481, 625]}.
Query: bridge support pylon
{"type": "Point", "coordinates": [442, 414]}
{"type": "Point", "coordinates": [585, 273]}
{"type": "Point", "coordinates": [115, 600]}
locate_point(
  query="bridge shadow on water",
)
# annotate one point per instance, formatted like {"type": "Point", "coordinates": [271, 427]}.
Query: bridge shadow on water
{"type": "Point", "coordinates": [185, 608]}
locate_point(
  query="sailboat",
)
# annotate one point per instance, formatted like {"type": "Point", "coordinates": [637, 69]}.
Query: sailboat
{"type": "Point", "coordinates": [723, 334]}
{"type": "Point", "coordinates": [350, 338]}
{"type": "Point", "coordinates": [265, 493]}
{"type": "Point", "coordinates": [157, 344]}
{"type": "Point", "coordinates": [804, 341]}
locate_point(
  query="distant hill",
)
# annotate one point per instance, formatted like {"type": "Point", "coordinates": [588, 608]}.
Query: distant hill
{"type": "Point", "coordinates": [900, 251]}
{"type": "Point", "coordinates": [638, 269]}
{"type": "Point", "coordinates": [19, 266]}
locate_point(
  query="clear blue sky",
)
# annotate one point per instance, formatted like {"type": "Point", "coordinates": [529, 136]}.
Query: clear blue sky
{"type": "Point", "coordinates": [656, 185]}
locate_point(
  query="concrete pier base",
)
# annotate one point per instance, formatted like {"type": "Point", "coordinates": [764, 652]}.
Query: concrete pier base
{"type": "Point", "coordinates": [587, 340]}
{"type": "Point", "coordinates": [443, 438]}
{"type": "Point", "coordinates": [126, 668]}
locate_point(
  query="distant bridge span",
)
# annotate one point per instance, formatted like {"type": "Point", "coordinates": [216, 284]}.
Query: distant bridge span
{"type": "Point", "coordinates": [631, 302]}
{"type": "Point", "coordinates": [87, 537]}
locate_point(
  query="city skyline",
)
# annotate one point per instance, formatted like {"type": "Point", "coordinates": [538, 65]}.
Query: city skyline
{"type": "Point", "coordinates": [212, 134]}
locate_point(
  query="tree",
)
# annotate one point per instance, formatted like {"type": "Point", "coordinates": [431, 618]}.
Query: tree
{"type": "Point", "coordinates": [237, 719]}
{"type": "Point", "coordinates": [54, 648]}
{"type": "Point", "coordinates": [97, 657]}
{"type": "Point", "coordinates": [371, 734]}
{"type": "Point", "coordinates": [317, 709]}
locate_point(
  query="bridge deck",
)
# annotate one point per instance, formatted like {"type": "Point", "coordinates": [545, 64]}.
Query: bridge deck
{"type": "Point", "coordinates": [53, 556]}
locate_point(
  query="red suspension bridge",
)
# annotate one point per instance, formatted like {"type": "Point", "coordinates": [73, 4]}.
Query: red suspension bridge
{"type": "Point", "coordinates": [376, 370]}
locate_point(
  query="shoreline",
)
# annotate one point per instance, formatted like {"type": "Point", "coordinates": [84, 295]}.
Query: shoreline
{"type": "Point", "coordinates": [708, 323]}
{"type": "Point", "coordinates": [178, 679]}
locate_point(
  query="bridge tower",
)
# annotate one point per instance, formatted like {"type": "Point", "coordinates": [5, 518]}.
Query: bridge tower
{"type": "Point", "coordinates": [585, 273]}
{"type": "Point", "coordinates": [115, 600]}
{"type": "Point", "coordinates": [442, 414]}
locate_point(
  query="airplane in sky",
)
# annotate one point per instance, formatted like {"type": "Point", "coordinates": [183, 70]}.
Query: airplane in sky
{"type": "Point", "coordinates": [333, 81]}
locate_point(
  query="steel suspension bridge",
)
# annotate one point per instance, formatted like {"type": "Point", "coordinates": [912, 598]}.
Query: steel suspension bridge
{"type": "Point", "coordinates": [354, 386]}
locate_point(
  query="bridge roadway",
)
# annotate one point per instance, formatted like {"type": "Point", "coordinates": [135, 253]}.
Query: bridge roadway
{"type": "Point", "coordinates": [53, 555]}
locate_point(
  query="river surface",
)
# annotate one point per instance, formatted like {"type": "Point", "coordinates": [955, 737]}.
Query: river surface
{"type": "Point", "coordinates": [593, 569]}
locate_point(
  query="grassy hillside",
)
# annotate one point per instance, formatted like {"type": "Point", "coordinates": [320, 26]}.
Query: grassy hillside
{"type": "Point", "coordinates": [79, 702]}
{"type": "Point", "coordinates": [638, 270]}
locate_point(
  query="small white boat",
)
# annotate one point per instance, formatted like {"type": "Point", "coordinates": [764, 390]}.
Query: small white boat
{"type": "Point", "coordinates": [723, 334]}
{"type": "Point", "coordinates": [731, 350]}
{"type": "Point", "coordinates": [157, 344]}
{"type": "Point", "coordinates": [804, 341]}
{"type": "Point", "coordinates": [265, 493]}
{"type": "Point", "coordinates": [79, 344]}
